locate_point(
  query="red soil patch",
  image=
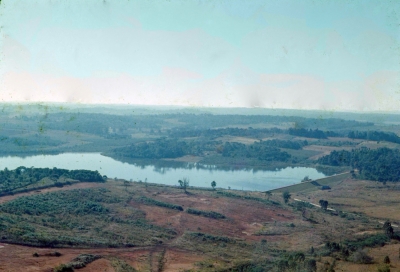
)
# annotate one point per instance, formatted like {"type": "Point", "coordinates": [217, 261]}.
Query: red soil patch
{"type": "Point", "coordinates": [180, 261]}
{"type": "Point", "coordinates": [15, 258]}
{"type": "Point", "coordinates": [243, 217]}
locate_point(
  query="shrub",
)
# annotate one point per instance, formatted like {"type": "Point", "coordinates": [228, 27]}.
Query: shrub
{"type": "Point", "coordinates": [210, 238]}
{"type": "Point", "coordinates": [53, 254]}
{"type": "Point", "coordinates": [63, 268]}
{"type": "Point", "coordinates": [150, 201]}
{"type": "Point", "coordinates": [361, 257]}
{"type": "Point", "coordinates": [232, 195]}
{"type": "Point", "coordinates": [384, 268]}
{"type": "Point", "coordinates": [121, 266]}
{"type": "Point", "coordinates": [369, 241]}
{"type": "Point", "coordinates": [210, 214]}
{"type": "Point", "coordinates": [386, 260]}
{"type": "Point", "coordinates": [83, 259]}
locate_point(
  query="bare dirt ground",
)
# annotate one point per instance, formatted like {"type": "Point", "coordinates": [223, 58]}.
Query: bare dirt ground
{"type": "Point", "coordinates": [16, 258]}
{"type": "Point", "coordinates": [242, 215]}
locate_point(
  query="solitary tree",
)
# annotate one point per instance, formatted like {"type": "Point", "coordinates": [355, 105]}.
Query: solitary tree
{"type": "Point", "coordinates": [386, 260]}
{"type": "Point", "coordinates": [324, 204]}
{"type": "Point", "coordinates": [387, 227]}
{"type": "Point", "coordinates": [306, 178]}
{"type": "Point", "coordinates": [286, 196]}
{"type": "Point", "coordinates": [126, 183]}
{"type": "Point", "coordinates": [184, 183]}
{"type": "Point", "coordinates": [213, 184]}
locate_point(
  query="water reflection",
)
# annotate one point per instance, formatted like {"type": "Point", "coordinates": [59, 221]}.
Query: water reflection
{"type": "Point", "coordinates": [169, 172]}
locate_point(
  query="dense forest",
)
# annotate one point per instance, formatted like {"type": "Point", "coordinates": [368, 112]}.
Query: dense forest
{"type": "Point", "coordinates": [173, 148]}
{"type": "Point", "coordinates": [381, 164]}
{"type": "Point", "coordinates": [258, 150]}
{"type": "Point", "coordinates": [17, 180]}
{"type": "Point", "coordinates": [166, 148]}
{"type": "Point", "coordinates": [375, 136]}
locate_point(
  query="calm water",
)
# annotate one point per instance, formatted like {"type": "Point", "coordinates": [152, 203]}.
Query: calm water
{"type": "Point", "coordinates": [199, 176]}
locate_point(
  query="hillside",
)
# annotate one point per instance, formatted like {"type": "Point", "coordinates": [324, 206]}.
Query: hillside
{"type": "Point", "coordinates": [146, 227]}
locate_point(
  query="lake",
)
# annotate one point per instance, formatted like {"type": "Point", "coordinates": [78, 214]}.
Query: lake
{"type": "Point", "coordinates": [201, 176]}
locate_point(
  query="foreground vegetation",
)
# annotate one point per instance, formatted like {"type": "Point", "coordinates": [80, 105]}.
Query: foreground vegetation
{"type": "Point", "coordinates": [80, 217]}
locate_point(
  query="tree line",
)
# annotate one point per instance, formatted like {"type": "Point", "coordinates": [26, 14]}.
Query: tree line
{"type": "Point", "coordinates": [219, 132]}
{"type": "Point", "coordinates": [310, 133]}
{"type": "Point", "coordinates": [375, 136]}
{"type": "Point", "coordinates": [258, 133]}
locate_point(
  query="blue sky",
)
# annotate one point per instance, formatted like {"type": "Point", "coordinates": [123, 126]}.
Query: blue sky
{"type": "Point", "coordinates": [334, 55]}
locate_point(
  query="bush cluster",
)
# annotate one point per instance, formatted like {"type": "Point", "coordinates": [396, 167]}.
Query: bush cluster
{"type": "Point", "coordinates": [150, 201]}
{"type": "Point", "coordinates": [210, 214]}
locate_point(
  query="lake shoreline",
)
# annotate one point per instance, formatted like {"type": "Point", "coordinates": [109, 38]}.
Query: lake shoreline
{"type": "Point", "coordinates": [169, 173]}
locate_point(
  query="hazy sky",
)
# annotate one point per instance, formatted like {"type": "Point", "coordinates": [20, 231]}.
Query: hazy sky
{"type": "Point", "coordinates": [330, 54]}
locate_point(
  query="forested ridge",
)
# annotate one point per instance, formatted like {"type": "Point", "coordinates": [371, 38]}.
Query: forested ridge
{"type": "Point", "coordinates": [14, 180]}
{"type": "Point", "coordinates": [173, 148]}
{"type": "Point", "coordinates": [166, 148]}
{"type": "Point", "coordinates": [381, 164]}
{"type": "Point", "coordinates": [259, 150]}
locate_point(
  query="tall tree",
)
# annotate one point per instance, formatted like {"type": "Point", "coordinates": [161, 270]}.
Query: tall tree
{"type": "Point", "coordinates": [286, 196]}
{"type": "Point", "coordinates": [213, 184]}
{"type": "Point", "coordinates": [184, 183]}
{"type": "Point", "coordinates": [324, 204]}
